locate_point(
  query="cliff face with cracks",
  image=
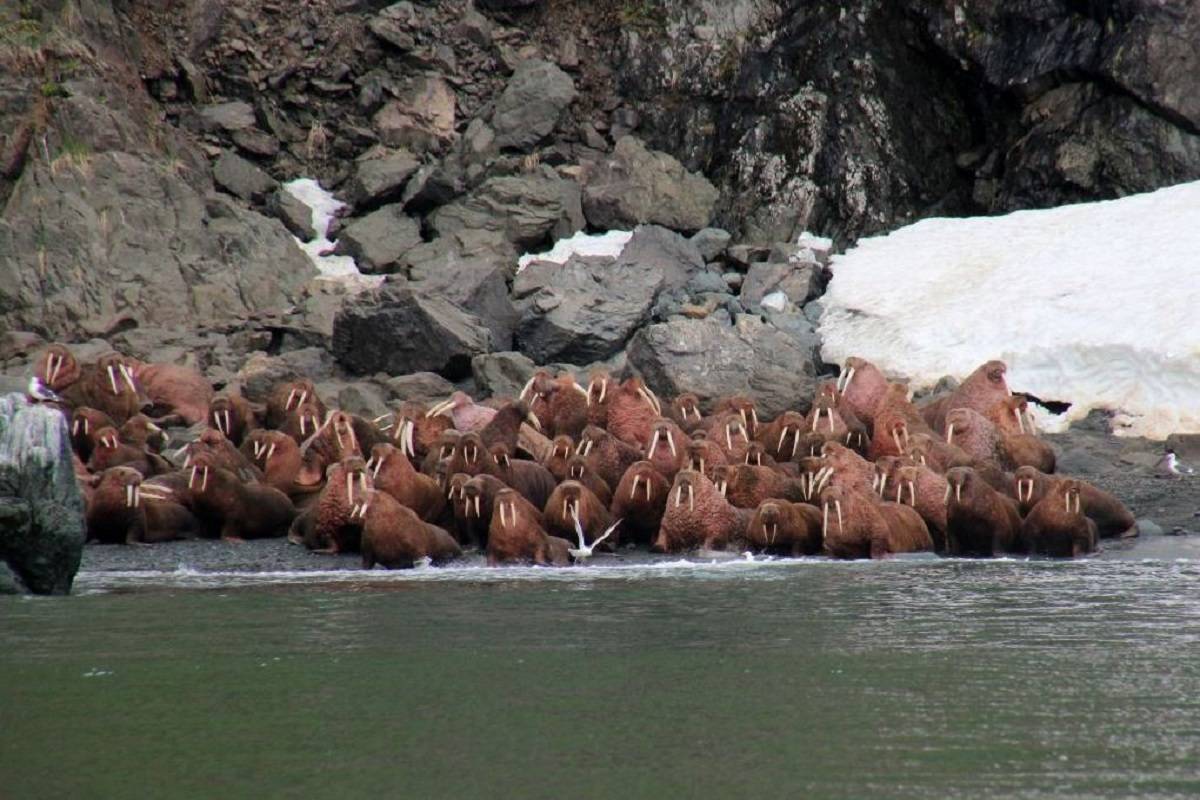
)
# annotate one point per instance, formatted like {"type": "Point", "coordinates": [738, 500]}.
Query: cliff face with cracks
{"type": "Point", "coordinates": [142, 144]}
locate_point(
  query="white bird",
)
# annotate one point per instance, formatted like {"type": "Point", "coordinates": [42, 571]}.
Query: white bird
{"type": "Point", "coordinates": [584, 550]}
{"type": "Point", "coordinates": [1169, 465]}
{"type": "Point", "coordinates": [40, 393]}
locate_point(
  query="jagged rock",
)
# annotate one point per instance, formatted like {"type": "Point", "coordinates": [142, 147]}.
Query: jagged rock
{"type": "Point", "coordinates": [42, 527]}
{"type": "Point", "coordinates": [292, 212]}
{"type": "Point", "coordinates": [393, 25]}
{"type": "Point", "coordinates": [534, 100]}
{"type": "Point", "coordinates": [586, 312]}
{"type": "Point", "coordinates": [380, 180]}
{"type": "Point", "coordinates": [422, 118]}
{"type": "Point", "coordinates": [420, 387]}
{"type": "Point", "coordinates": [362, 398]}
{"type": "Point", "coordinates": [712, 359]}
{"type": "Point", "coordinates": [256, 142]}
{"type": "Point", "coordinates": [527, 209]}
{"type": "Point", "coordinates": [398, 330]}
{"type": "Point", "coordinates": [675, 256]}
{"type": "Point", "coordinates": [798, 282]}
{"type": "Point", "coordinates": [380, 239]}
{"type": "Point", "coordinates": [474, 27]}
{"type": "Point", "coordinates": [239, 177]}
{"type": "Point", "coordinates": [743, 255]}
{"type": "Point", "coordinates": [475, 283]}
{"type": "Point", "coordinates": [501, 374]}
{"type": "Point", "coordinates": [234, 116]}
{"type": "Point", "coordinates": [637, 186]}
{"type": "Point", "coordinates": [711, 242]}
{"type": "Point", "coordinates": [260, 372]}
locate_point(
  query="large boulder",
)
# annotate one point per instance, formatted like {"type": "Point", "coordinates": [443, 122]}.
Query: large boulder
{"type": "Point", "coordinates": [526, 209]}
{"type": "Point", "coordinates": [777, 368]}
{"type": "Point", "coordinates": [478, 284]}
{"type": "Point", "coordinates": [532, 104]}
{"type": "Point", "coordinates": [380, 239]}
{"type": "Point", "coordinates": [42, 527]}
{"type": "Point", "coordinates": [239, 177]}
{"type": "Point", "coordinates": [397, 330]}
{"type": "Point", "coordinates": [798, 281]}
{"type": "Point", "coordinates": [501, 374]}
{"type": "Point", "coordinates": [654, 246]}
{"type": "Point", "coordinates": [421, 119]}
{"type": "Point", "coordinates": [635, 186]}
{"type": "Point", "coordinates": [380, 178]}
{"type": "Point", "coordinates": [586, 310]}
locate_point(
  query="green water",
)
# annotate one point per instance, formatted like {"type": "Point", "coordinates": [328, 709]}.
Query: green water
{"type": "Point", "coordinates": [906, 679]}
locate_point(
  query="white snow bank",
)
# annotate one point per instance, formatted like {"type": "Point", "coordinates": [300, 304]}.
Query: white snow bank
{"type": "Point", "coordinates": [1093, 304]}
{"type": "Point", "coordinates": [610, 244]}
{"type": "Point", "coordinates": [324, 205]}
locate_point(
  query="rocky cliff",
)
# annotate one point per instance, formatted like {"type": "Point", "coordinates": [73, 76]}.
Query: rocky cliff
{"type": "Point", "coordinates": [143, 145]}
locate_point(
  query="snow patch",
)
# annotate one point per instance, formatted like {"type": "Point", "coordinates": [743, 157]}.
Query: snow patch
{"type": "Point", "coordinates": [339, 269]}
{"type": "Point", "coordinates": [1092, 304]}
{"type": "Point", "coordinates": [609, 244]}
{"type": "Point", "coordinates": [775, 301]}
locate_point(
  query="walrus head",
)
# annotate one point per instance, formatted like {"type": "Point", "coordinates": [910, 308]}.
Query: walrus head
{"type": "Point", "coordinates": [906, 485]}
{"type": "Point", "coordinates": [220, 410]}
{"type": "Point", "coordinates": [686, 407]}
{"type": "Point", "coordinates": [1025, 481]}
{"type": "Point", "coordinates": [959, 480]}
{"type": "Point", "coordinates": [636, 387]}
{"type": "Point", "coordinates": [1069, 489]}
{"type": "Point", "coordinates": [721, 476]}
{"type": "Point", "coordinates": [500, 455]}
{"type": "Point", "coordinates": [643, 472]}
{"type": "Point", "coordinates": [107, 438]}
{"type": "Point", "coordinates": [744, 407]}
{"type": "Point", "coordinates": [342, 426]}
{"type": "Point", "coordinates": [119, 377]}
{"type": "Point", "coordinates": [698, 455]}
{"type": "Point", "coordinates": [470, 446]}
{"type": "Point", "coordinates": [561, 447]}
{"type": "Point", "coordinates": [768, 515]}
{"type": "Point", "coordinates": [351, 477]}
{"type": "Point", "coordinates": [57, 368]}
{"type": "Point", "coordinates": [661, 432]}
{"type": "Point", "coordinates": [792, 427]}
{"type": "Point", "coordinates": [505, 505]}
{"type": "Point", "coordinates": [380, 455]}
{"type": "Point", "coordinates": [308, 416]}
{"type": "Point", "coordinates": [571, 493]}
{"type": "Point", "coordinates": [577, 467]}
{"type": "Point", "coordinates": [538, 387]}
{"type": "Point", "coordinates": [995, 372]}
{"type": "Point", "coordinates": [470, 492]}
{"type": "Point", "coordinates": [684, 489]}
{"type": "Point", "coordinates": [831, 498]}
{"type": "Point", "coordinates": [268, 442]}
{"type": "Point", "coordinates": [597, 389]}
{"type": "Point", "coordinates": [591, 436]}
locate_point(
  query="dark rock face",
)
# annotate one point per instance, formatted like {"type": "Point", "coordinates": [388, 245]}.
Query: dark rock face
{"type": "Point", "coordinates": [399, 330]}
{"type": "Point", "coordinates": [532, 104]}
{"type": "Point", "coordinates": [526, 209]}
{"type": "Point", "coordinates": [710, 358]}
{"type": "Point", "coordinates": [42, 527]}
{"type": "Point", "coordinates": [239, 177]}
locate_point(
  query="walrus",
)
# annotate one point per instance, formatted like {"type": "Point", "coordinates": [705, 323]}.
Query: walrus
{"type": "Point", "coordinates": [849, 464]}
{"type": "Point", "coordinates": [395, 537]}
{"type": "Point", "coordinates": [440, 452]}
{"type": "Point", "coordinates": [703, 455]}
{"type": "Point", "coordinates": [730, 434]}
{"type": "Point", "coordinates": [214, 444]}
{"type": "Point", "coordinates": [531, 479]}
{"type": "Point", "coordinates": [86, 424]}
{"type": "Point", "coordinates": [744, 407]}
{"type": "Point", "coordinates": [746, 486]}
{"type": "Point", "coordinates": [110, 451]}
{"type": "Point", "coordinates": [1111, 516]}
{"type": "Point", "coordinates": [337, 524]}
{"type": "Point", "coordinates": [505, 427]}
{"type": "Point", "coordinates": [278, 456]}
{"type": "Point", "coordinates": [632, 412]}
{"type": "Point", "coordinates": [416, 433]}
{"type": "Point", "coordinates": [972, 432]}
{"type": "Point", "coordinates": [640, 500]}
{"type": "Point", "coordinates": [287, 397]}
{"type": "Point", "coordinates": [555, 459]}
{"type": "Point", "coordinates": [665, 450]}
{"type": "Point", "coordinates": [696, 516]}
{"type": "Point", "coordinates": [470, 456]}
{"type": "Point", "coordinates": [757, 456]}
{"type": "Point", "coordinates": [109, 386]}
{"type": "Point", "coordinates": [981, 390]}
{"type": "Point", "coordinates": [810, 445]}
{"type": "Point", "coordinates": [140, 431]}
{"type": "Point", "coordinates": [122, 509]}
{"type": "Point", "coordinates": [862, 387]}
{"type": "Point", "coordinates": [176, 392]}
{"type": "Point", "coordinates": [467, 415]}
{"type": "Point", "coordinates": [606, 454]}
{"type": "Point", "coordinates": [684, 409]}
{"type": "Point", "coordinates": [850, 523]}
{"type": "Point", "coordinates": [579, 470]}
{"type": "Point", "coordinates": [979, 520]}
{"type": "Point", "coordinates": [924, 490]}
{"type": "Point", "coordinates": [1057, 526]}
{"type": "Point", "coordinates": [515, 536]}
{"type": "Point", "coordinates": [479, 494]}
{"type": "Point", "coordinates": [781, 436]}
{"type": "Point", "coordinates": [57, 369]}
{"type": "Point", "coordinates": [233, 510]}
{"type": "Point", "coordinates": [564, 400]}
{"type": "Point", "coordinates": [571, 500]}
{"type": "Point", "coordinates": [393, 473]}
{"type": "Point", "coordinates": [1026, 450]}
{"type": "Point", "coordinates": [1010, 415]}
{"type": "Point", "coordinates": [598, 397]}
{"type": "Point", "coordinates": [334, 441]}
{"type": "Point", "coordinates": [303, 421]}
{"type": "Point", "coordinates": [824, 418]}
{"type": "Point", "coordinates": [787, 529]}
{"type": "Point", "coordinates": [906, 531]}
{"type": "Point", "coordinates": [232, 415]}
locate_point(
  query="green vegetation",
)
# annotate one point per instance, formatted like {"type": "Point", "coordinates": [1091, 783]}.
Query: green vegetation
{"type": "Point", "coordinates": [54, 89]}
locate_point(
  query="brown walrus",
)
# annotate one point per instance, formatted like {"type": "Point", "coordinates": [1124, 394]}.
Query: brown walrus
{"type": "Point", "coordinates": [110, 451]}
{"type": "Point", "coordinates": [782, 528]}
{"type": "Point", "coordinates": [393, 473]}
{"type": "Point", "coordinates": [606, 454]}
{"type": "Point", "coordinates": [122, 509]}
{"type": "Point", "coordinates": [640, 500]}
{"type": "Point", "coordinates": [337, 524]}
{"type": "Point", "coordinates": [287, 397]}
{"type": "Point", "coordinates": [531, 479]}
{"type": "Point", "coordinates": [515, 536]}
{"type": "Point", "coordinates": [228, 508]}
{"type": "Point", "coordinates": [684, 409]}
{"type": "Point", "coordinates": [632, 411]}
{"type": "Point", "coordinates": [980, 391]}
{"type": "Point", "coordinates": [232, 415]}
{"type": "Point", "coordinates": [1057, 526]}
{"type": "Point", "coordinates": [862, 387]}
{"type": "Point", "coordinates": [178, 392]}
{"type": "Point", "coordinates": [907, 532]}
{"type": "Point", "coordinates": [696, 516]}
{"type": "Point", "coordinates": [666, 449]}
{"type": "Point", "coordinates": [555, 459]}
{"type": "Point", "coordinates": [1111, 516]}
{"type": "Point", "coordinates": [578, 470]}
{"type": "Point", "coordinates": [86, 424]}
{"type": "Point", "coordinates": [979, 520]}
{"type": "Point", "coordinates": [850, 522]}
{"type": "Point", "coordinates": [781, 436]}
{"type": "Point", "coordinates": [572, 500]}
{"type": "Point", "coordinates": [395, 537]}
{"type": "Point", "coordinates": [924, 490]}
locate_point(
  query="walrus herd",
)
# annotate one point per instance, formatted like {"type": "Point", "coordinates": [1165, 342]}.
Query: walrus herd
{"type": "Point", "coordinates": [862, 472]}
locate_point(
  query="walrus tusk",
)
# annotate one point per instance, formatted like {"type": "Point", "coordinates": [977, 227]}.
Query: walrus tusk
{"type": "Point", "coordinates": [440, 408]}
{"type": "Point", "coordinates": [883, 479]}
{"type": "Point", "coordinates": [896, 439]}
{"type": "Point", "coordinates": [270, 452]}
{"type": "Point", "coordinates": [671, 442]}
{"type": "Point", "coordinates": [303, 422]}
{"type": "Point", "coordinates": [575, 385]}
{"type": "Point", "coordinates": [112, 380]}
{"type": "Point", "coordinates": [291, 396]}
{"type": "Point", "coordinates": [591, 385]}
{"type": "Point", "coordinates": [129, 495]}
{"type": "Point", "coordinates": [653, 443]}
{"type": "Point", "coordinates": [647, 489]}
{"type": "Point", "coordinates": [565, 507]}
{"type": "Point", "coordinates": [958, 492]}
{"type": "Point", "coordinates": [899, 487]}
{"type": "Point", "coordinates": [912, 493]}
{"type": "Point", "coordinates": [1020, 419]}
{"type": "Point", "coordinates": [728, 438]}
{"type": "Point", "coordinates": [503, 517]}
{"type": "Point", "coordinates": [408, 438]}
{"type": "Point", "coordinates": [137, 496]}
{"type": "Point", "coordinates": [691, 498]}
{"type": "Point", "coordinates": [795, 443]}
{"type": "Point", "coordinates": [679, 496]}
{"type": "Point", "coordinates": [204, 480]}
{"type": "Point", "coordinates": [946, 497]}
{"type": "Point", "coordinates": [525, 389]}
{"type": "Point", "coordinates": [75, 427]}
{"type": "Point", "coordinates": [701, 467]}
{"type": "Point", "coordinates": [534, 421]}
{"type": "Point", "coordinates": [476, 503]}
{"type": "Point", "coordinates": [228, 425]}
{"type": "Point", "coordinates": [587, 450]}
{"type": "Point", "coordinates": [782, 435]}
{"type": "Point", "coordinates": [380, 418]}
{"type": "Point", "coordinates": [754, 416]}
{"type": "Point", "coordinates": [603, 390]}
{"type": "Point", "coordinates": [128, 373]}
{"type": "Point", "coordinates": [950, 433]}
{"type": "Point", "coordinates": [633, 492]}
{"type": "Point", "coordinates": [349, 487]}
{"type": "Point", "coordinates": [1076, 504]}
{"type": "Point", "coordinates": [378, 465]}
{"type": "Point", "coordinates": [829, 415]}
{"type": "Point", "coordinates": [337, 431]}
{"type": "Point", "coordinates": [838, 503]}
{"type": "Point", "coordinates": [875, 483]}
{"type": "Point", "coordinates": [646, 396]}
{"type": "Point", "coordinates": [825, 521]}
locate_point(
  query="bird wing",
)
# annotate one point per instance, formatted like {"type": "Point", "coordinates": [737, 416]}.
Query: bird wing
{"type": "Point", "coordinates": [607, 531]}
{"type": "Point", "coordinates": [579, 530]}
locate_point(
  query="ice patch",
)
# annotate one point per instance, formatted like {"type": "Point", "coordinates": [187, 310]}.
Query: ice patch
{"type": "Point", "coordinates": [602, 244]}
{"type": "Point", "coordinates": [324, 205]}
{"type": "Point", "coordinates": [1091, 304]}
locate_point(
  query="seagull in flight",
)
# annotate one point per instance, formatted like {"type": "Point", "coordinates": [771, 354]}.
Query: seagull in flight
{"type": "Point", "coordinates": [584, 551]}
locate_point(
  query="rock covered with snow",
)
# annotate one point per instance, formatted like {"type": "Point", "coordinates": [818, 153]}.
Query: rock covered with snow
{"type": "Point", "coordinates": [1091, 304]}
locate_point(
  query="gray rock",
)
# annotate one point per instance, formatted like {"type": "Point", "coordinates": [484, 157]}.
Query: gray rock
{"type": "Point", "coordinates": [362, 398]}
{"type": "Point", "coordinates": [733, 280]}
{"type": "Point", "coordinates": [533, 277]}
{"type": "Point", "coordinates": [665, 250]}
{"type": "Point", "coordinates": [42, 527]}
{"type": "Point", "coordinates": [239, 177]}
{"type": "Point", "coordinates": [261, 372]}
{"type": "Point", "coordinates": [398, 330]}
{"type": "Point", "coordinates": [637, 186]}
{"type": "Point", "coordinates": [527, 209]}
{"type": "Point", "coordinates": [587, 312]}
{"type": "Point", "coordinates": [751, 357]}
{"type": "Point", "coordinates": [256, 142]}
{"type": "Point", "coordinates": [234, 116]}
{"type": "Point", "coordinates": [478, 284]}
{"type": "Point", "coordinates": [799, 282]}
{"type": "Point", "coordinates": [380, 179]}
{"type": "Point", "coordinates": [421, 119]}
{"type": "Point", "coordinates": [474, 27]}
{"type": "Point", "coordinates": [380, 239]}
{"type": "Point", "coordinates": [294, 214]}
{"type": "Point", "coordinates": [711, 242]}
{"type": "Point", "coordinates": [705, 282]}
{"type": "Point", "coordinates": [394, 23]}
{"type": "Point", "coordinates": [420, 387]}
{"type": "Point", "coordinates": [533, 102]}
{"type": "Point", "coordinates": [501, 374]}
{"type": "Point", "coordinates": [743, 255]}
